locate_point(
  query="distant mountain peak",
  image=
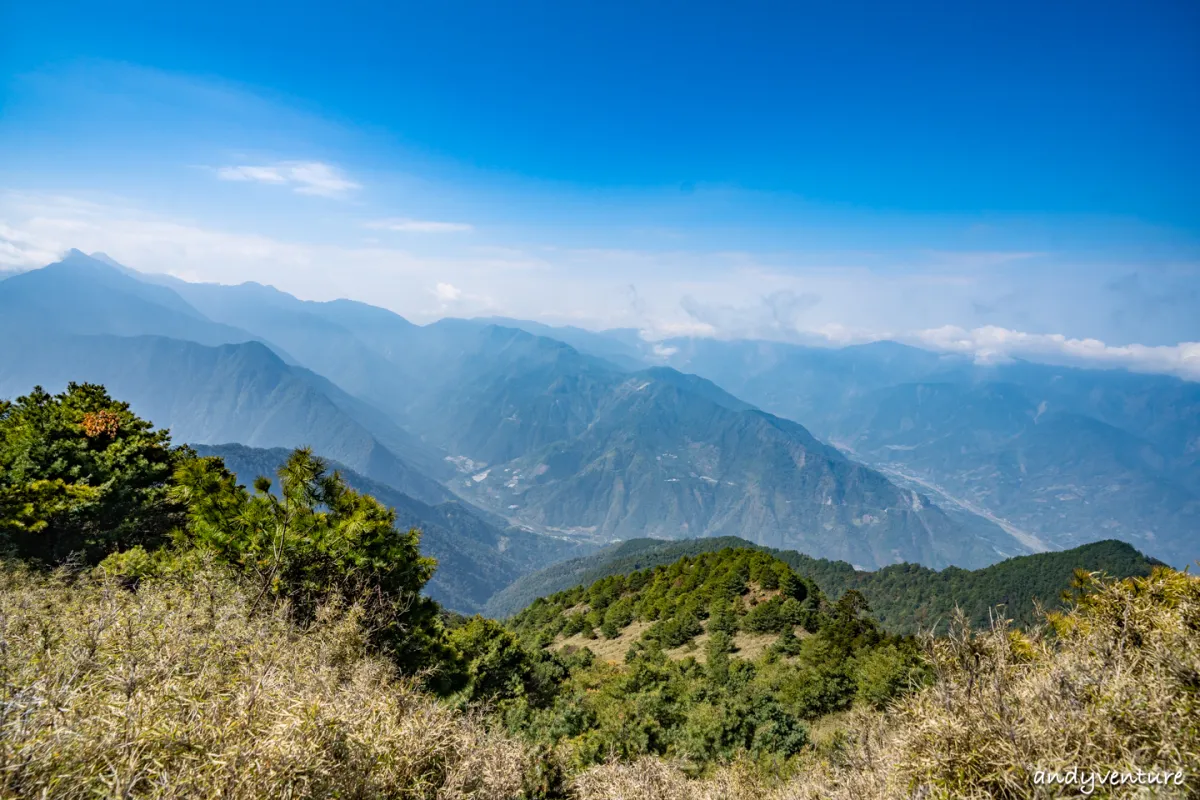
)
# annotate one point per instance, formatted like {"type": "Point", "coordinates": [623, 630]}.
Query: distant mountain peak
{"type": "Point", "coordinates": [77, 258]}
{"type": "Point", "coordinates": [105, 258]}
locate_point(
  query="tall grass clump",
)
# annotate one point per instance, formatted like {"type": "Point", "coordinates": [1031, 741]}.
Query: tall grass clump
{"type": "Point", "coordinates": [1111, 685]}
{"type": "Point", "coordinates": [179, 689]}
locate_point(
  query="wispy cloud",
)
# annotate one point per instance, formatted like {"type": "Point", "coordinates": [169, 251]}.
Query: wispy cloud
{"type": "Point", "coordinates": [23, 250]}
{"type": "Point", "coordinates": [407, 225]}
{"type": "Point", "coordinates": [304, 177]}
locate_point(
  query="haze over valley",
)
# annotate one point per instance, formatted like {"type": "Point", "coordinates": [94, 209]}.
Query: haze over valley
{"type": "Point", "coordinates": [514, 444]}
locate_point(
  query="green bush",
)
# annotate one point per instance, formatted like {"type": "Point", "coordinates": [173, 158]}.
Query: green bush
{"type": "Point", "coordinates": [766, 617]}
{"type": "Point", "coordinates": [884, 673]}
{"type": "Point", "coordinates": [317, 541]}
{"type": "Point", "coordinates": [618, 615]}
{"type": "Point", "coordinates": [80, 474]}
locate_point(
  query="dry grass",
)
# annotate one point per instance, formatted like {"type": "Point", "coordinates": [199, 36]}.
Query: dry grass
{"type": "Point", "coordinates": [176, 691]}
{"type": "Point", "coordinates": [748, 646]}
{"type": "Point", "coordinates": [610, 650]}
{"type": "Point", "coordinates": [1112, 686]}
{"type": "Point", "coordinates": [652, 779]}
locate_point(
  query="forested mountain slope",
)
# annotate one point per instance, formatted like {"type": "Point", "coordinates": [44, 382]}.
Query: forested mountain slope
{"type": "Point", "coordinates": [653, 453]}
{"type": "Point", "coordinates": [905, 598]}
{"type": "Point", "coordinates": [1063, 476]}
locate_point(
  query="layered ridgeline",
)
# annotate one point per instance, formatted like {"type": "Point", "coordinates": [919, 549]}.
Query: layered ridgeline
{"type": "Point", "coordinates": [1058, 475]}
{"type": "Point", "coordinates": [1024, 457]}
{"type": "Point", "coordinates": [85, 320]}
{"type": "Point", "coordinates": [1057, 454]}
{"type": "Point", "coordinates": [905, 598]}
{"type": "Point", "coordinates": [476, 557]}
{"type": "Point", "coordinates": [660, 453]}
{"type": "Point", "coordinates": [555, 440]}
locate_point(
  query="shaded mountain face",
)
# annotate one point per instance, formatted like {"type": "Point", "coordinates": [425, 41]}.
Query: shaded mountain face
{"type": "Point", "coordinates": [651, 455]}
{"type": "Point", "coordinates": [494, 394]}
{"type": "Point", "coordinates": [1013, 442]}
{"type": "Point", "coordinates": [239, 392]}
{"type": "Point", "coordinates": [475, 558]}
{"type": "Point", "coordinates": [1161, 410]}
{"type": "Point", "coordinates": [312, 334]}
{"type": "Point", "coordinates": [1064, 477]}
{"type": "Point", "coordinates": [613, 346]}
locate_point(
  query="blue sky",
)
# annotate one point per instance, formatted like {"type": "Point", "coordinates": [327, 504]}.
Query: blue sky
{"type": "Point", "coordinates": [793, 170]}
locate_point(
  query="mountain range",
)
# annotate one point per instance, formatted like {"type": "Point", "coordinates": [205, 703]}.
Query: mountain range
{"type": "Point", "coordinates": [1056, 455]}
{"type": "Point", "coordinates": [873, 455]}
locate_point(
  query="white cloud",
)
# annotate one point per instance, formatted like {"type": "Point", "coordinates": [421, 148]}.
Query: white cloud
{"type": "Point", "coordinates": [406, 225]}
{"type": "Point", "coordinates": [991, 344]}
{"type": "Point", "coordinates": [447, 292]}
{"type": "Point", "coordinates": [673, 330]}
{"type": "Point", "coordinates": [260, 174]}
{"type": "Point", "coordinates": [305, 177]}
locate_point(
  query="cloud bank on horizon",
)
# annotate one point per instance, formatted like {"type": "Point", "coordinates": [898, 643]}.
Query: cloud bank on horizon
{"type": "Point", "coordinates": [717, 180]}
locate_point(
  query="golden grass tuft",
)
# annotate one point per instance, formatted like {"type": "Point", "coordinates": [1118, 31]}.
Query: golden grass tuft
{"type": "Point", "coordinates": [177, 691]}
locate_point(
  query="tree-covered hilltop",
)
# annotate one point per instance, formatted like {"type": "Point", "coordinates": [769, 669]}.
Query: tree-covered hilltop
{"type": "Point", "coordinates": [904, 598]}
{"type": "Point", "coordinates": [711, 656]}
{"type": "Point", "coordinates": [616, 559]}
{"type": "Point", "coordinates": [742, 589]}
{"type": "Point", "coordinates": [908, 597]}
{"type": "Point", "coordinates": [82, 475]}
